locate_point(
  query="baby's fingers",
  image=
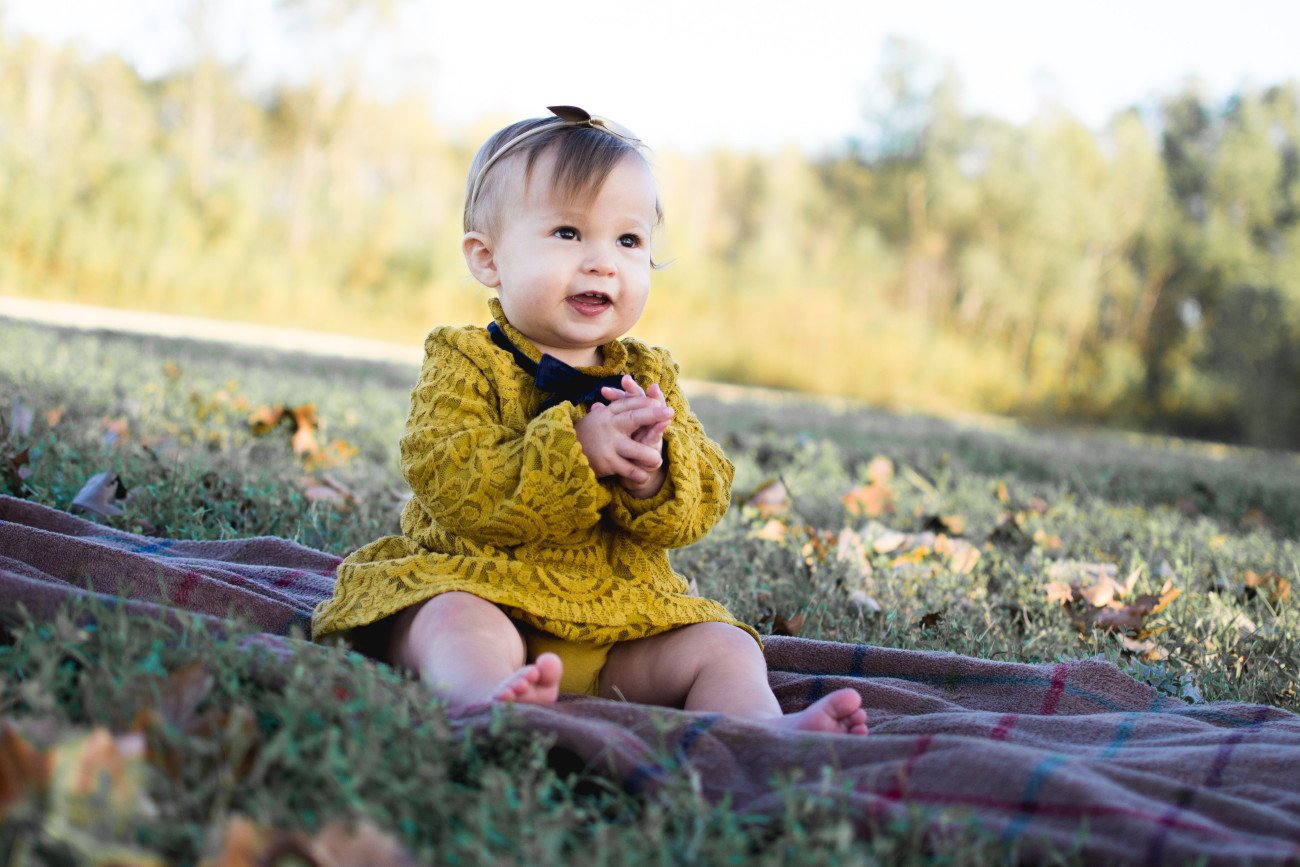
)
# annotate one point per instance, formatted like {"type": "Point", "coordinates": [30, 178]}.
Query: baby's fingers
{"type": "Point", "coordinates": [644, 456]}
{"type": "Point", "coordinates": [655, 392]}
{"type": "Point", "coordinates": [631, 386]}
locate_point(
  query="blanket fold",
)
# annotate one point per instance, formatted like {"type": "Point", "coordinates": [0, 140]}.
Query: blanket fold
{"type": "Point", "coordinates": [1050, 757]}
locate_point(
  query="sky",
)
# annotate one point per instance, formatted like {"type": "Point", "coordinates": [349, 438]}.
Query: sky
{"type": "Point", "coordinates": [695, 74]}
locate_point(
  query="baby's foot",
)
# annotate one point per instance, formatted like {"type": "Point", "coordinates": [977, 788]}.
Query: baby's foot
{"type": "Point", "coordinates": [538, 683]}
{"type": "Point", "coordinates": [838, 713]}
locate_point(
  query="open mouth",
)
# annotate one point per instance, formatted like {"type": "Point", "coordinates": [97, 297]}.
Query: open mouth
{"type": "Point", "coordinates": [590, 303]}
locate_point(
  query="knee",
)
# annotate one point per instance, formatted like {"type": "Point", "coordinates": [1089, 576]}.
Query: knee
{"type": "Point", "coordinates": [722, 641]}
{"type": "Point", "coordinates": [461, 618]}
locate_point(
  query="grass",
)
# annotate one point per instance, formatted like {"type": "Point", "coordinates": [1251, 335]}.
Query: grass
{"type": "Point", "coordinates": [306, 734]}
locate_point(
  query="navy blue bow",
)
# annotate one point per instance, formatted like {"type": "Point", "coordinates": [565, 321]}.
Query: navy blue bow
{"type": "Point", "coordinates": [560, 381]}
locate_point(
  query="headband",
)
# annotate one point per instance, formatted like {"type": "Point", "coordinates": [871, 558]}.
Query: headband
{"type": "Point", "coordinates": [565, 115]}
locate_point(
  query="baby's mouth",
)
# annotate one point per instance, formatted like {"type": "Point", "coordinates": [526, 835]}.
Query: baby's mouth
{"type": "Point", "coordinates": [589, 303]}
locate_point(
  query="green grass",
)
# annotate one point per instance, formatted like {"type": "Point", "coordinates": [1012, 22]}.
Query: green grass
{"type": "Point", "coordinates": [314, 733]}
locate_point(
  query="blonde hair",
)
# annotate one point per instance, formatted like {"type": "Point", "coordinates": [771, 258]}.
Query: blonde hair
{"type": "Point", "coordinates": [584, 158]}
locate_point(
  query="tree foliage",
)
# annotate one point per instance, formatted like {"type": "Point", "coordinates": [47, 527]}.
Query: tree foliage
{"type": "Point", "coordinates": [1146, 274]}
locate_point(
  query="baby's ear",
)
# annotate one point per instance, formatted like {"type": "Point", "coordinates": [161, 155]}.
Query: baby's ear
{"type": "Point", "coordinates": [478, 256]}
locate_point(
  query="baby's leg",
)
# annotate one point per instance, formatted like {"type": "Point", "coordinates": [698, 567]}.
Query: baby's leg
{"type": "Point", "coordinates": [718, 667]}
{"type": "Point", "coordinates": [468, 649]}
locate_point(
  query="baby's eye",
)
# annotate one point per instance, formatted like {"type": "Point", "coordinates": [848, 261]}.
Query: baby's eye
{"type": "Point", "coordinates": [630, 240]}
{"type": "Point", "coordinates": [566, 233]}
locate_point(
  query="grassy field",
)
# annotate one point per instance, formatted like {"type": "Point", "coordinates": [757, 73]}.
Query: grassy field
{"type": "Point", "coordinates": [1174, 560]}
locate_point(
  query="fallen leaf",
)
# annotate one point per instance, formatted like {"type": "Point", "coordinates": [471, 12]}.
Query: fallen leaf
{"type": "Point", "coordinates": [171, 370]}
{"type": "Point", "coordinates": [1146, 649]}
{"type": "Point", "coordinates": [304, 432]}
{"type": "Point", "coordinates": [782, 626]}
{"type": "Point", "coordinates": [264, 418]}
{"type": "Point", "coordinates": [1254, 519]}
{"type": "Point", "coordinates": [930, 620]}
{"type": "Point", "coordinates": [888, 541]}
{"type": "Point", "coordinates": [960, 554]}
{"type": "Point", "coordinates": [1004, 496]}
{"type": "Point", "coordinates": [871, 500]}
{"type": "Point", "coordinates": [880, 471]}
{"type": "Point", "coordinates": [819, 545]}
{"type": "Point", "coordinates": [99, 779]}
{"type": "Point", "coordinates": [115, 430]}
{"type": "Point", "coordinates": [337, 845]}
{"type": "Point", "coordinates": [864, 601]}
{"type": "Point", "coordinates": [101, 495]}
{"type": "Point", "coordinates": [1059, 591]}
{"type": "Point", "coordinates": [21, 417]}
{"type": "Point", "coordinates": [23, 769]}
{"type": "Point", "coordinates": [1094, 582]}
{"type": "Point", "coordinates": [771, 498]}
{"type": "Point", "coordinates": [772, 531]}
{"type": "Point", "coordinates": [17, 467]}
{"type": "Point", "coordinates": [54, 416]}
{"type": "Point", "coordinates": [851, 549]}
{"type": "Point", "coordinates": [911, 557]}
{"type": "Point", "coordinates": [1037, 504]}
{"type": "Point", "coordinates": [335, 453]}
{"type": "Point", "coordinates": [1274, 587]}
{"type": "Point", "coordinates": [327, 489]}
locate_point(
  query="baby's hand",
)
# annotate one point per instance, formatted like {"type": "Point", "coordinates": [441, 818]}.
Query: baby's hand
{"type": "Point", "coordinates": [605, 435]}
{"type": "Point", "coordinates": [652, 435]}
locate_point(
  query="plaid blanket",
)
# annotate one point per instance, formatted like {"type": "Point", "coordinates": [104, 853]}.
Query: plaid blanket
{"type": "Point", "coordinates": [1050, 758]}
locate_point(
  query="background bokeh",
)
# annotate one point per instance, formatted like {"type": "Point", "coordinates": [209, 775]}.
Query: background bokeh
{"type": "Point", "coordinates": [1089, 213]}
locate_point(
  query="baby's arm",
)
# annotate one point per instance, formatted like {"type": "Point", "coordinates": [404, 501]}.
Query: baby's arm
{"type": "Point", "coordinates": [697, 487]}
{"type": "Point", "coordinates": [487, 481]}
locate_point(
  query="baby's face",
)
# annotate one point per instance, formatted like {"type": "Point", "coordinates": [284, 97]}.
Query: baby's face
{"type": "Point", "coordinates": [572, 277]}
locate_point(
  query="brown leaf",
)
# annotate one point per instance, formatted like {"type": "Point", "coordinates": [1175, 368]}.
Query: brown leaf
{"type": "Point", "coordinates": [23, 769]}
{"type": "Point", "coordinates": [930, 620]}
{"type": "Point", "coordinates": [771, 498]}
{"type": "Point", "coordinates": [1146, 649]}
{"type": "Point", "coordinates": [359, 845]}
{"type": "Point", "coordinates": [1255, 519]}
{"type": "Point", "coordinates": [54, 416]}
{"type": "Point", "coordinates": [101, 495]}
{"type": "Point", "coordinates": [960, 554]}
{"type": "Point", "coordinates": [264, 418]}
{"type": "Point", "coordinates": [1094, 582]}
{"type": "Point", "coordinates": [782, 626]}
{"type": "Point", "coordinates": [249, 845]}
{"type": "Point", "coordinates": [115, 430]}
{"type": "Point", "coordinates": [337, 845]}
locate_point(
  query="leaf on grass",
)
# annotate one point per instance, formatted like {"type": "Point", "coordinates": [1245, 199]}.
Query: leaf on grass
{"type": "Point", "coordinates": [864, 601]}
{"type": "Point", "coordinates": [101, 495]}
{"type": "Point", "coordinates": [888, 541]}
{"type": "Point", "coordinates": [771, 498]}
{"type": "Point", "coordinates": [23, 769]}
{"type": "Point", "coordinates": [930, 620]}
{"type": "Point", "coordinates": [1274, 587]}
{"type": "Point", "coordinates": [851, 549]}
{"type": "Point", "coordinates": [264, 418]}
{"type": "Point", "coordinates": [819, 545]}
{"type": "Point", "coordinates": [771, 531]}
{"type": "Point", "coordinates": [1255, 519]}
{"type": "Point", "coordinates": [337, 845]}
{"type": "Point", "coordinates": [335, 453]}
{"type": "Point", "coordinates": [1094, 582]}
{"type": "Point", "coordinates": [115, 430]}
{"type": "Point", "coordinates": [792, 626]}
{"type": "Point", "coordinates": [1145, 649]}
{"type": "Point", "coordinates": [951, 525]}
{"type": "Point", "coordinates": [327, 489]}
{"type": "Point", "coordinates": [1059, 591]}
{"type": "Point", "coordinates": [54, 416]}
{"type": "Point", "coordinates": [21, 417]}
{"type": "Point", "coordinates": [960, 554]}
{"type": "Point", "coordinates": [877, 496]}
{"type": "Point", "coordinates": [171, 370]}
{"type": "Point", "coordinates": [17, 467]}
{"type": "Point", "coordinates": [880, 471]}
{"type": "Point", "coordinates": [304, 431]}
{"type": "Point", "coordinates": [99, 779]}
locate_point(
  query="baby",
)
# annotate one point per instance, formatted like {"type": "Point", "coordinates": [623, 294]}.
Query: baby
{"type": "Point", "coordinates": [554, 463]}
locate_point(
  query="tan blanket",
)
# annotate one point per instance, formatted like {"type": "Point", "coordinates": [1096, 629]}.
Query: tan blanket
{"type": "Point", "coordinates": [1049, 757]}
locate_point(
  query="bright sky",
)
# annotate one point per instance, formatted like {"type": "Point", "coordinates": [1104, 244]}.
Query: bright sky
{"type": "Point", "coordinates": [690, 74]}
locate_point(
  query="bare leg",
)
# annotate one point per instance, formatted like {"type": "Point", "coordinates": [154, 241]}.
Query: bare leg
{"type": "Point", "coordinates": [717, 667]}
{"type": "Point", "coordinates": [470, 652]}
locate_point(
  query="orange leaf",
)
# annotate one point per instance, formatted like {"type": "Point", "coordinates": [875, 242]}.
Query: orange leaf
{"type": "Point", "coordinates": [304, 434]}
{"type": "Point", "coordinates": [772, 531]}
{"type": "Point", "coordinates": [23, 769]}
{"type": "Point", "coordinates": [264, 418]}
{"type": "Point", "coordinates": [880, 471]}
{"type": "Point", "coordinates": [782, 626]}
{"type": "Point", "coordinates": [871, 500]}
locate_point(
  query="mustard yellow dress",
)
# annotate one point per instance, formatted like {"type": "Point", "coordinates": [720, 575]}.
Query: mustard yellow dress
{"type": "Point", "coordinates": [507, 508]}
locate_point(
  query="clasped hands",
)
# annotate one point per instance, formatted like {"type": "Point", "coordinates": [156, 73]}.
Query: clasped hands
{"type": "Point", "coordinates": [626, 438]}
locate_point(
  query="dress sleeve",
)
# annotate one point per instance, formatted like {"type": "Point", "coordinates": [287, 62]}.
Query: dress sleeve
{"type": "Point", "coordinates": [697, 489]}
{"type": "Point", "coordinates": [484, 480]}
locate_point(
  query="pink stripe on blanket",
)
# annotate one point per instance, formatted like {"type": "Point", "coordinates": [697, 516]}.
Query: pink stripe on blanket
{"type": "Point", "coordinates": [1059, 673]}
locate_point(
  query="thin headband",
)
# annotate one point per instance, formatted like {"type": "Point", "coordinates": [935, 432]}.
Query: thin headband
{"type": "Point", "coordinates": [565, 115]}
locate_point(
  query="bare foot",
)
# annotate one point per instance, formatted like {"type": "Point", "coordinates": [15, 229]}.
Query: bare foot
{"type": "Point", "coordinates": [538, 683]}
{"type": "Point", "coordinates": [838, 713]}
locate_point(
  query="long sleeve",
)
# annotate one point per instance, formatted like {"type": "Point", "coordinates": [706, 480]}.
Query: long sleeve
{"type": "Point", "coordinates": [483, 480]}
{"type": "Point", "coordinates": [697, 490]}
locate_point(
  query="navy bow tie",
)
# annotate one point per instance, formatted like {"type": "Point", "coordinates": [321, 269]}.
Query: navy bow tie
{"type": "Point", "coordinates": [560, 381]}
